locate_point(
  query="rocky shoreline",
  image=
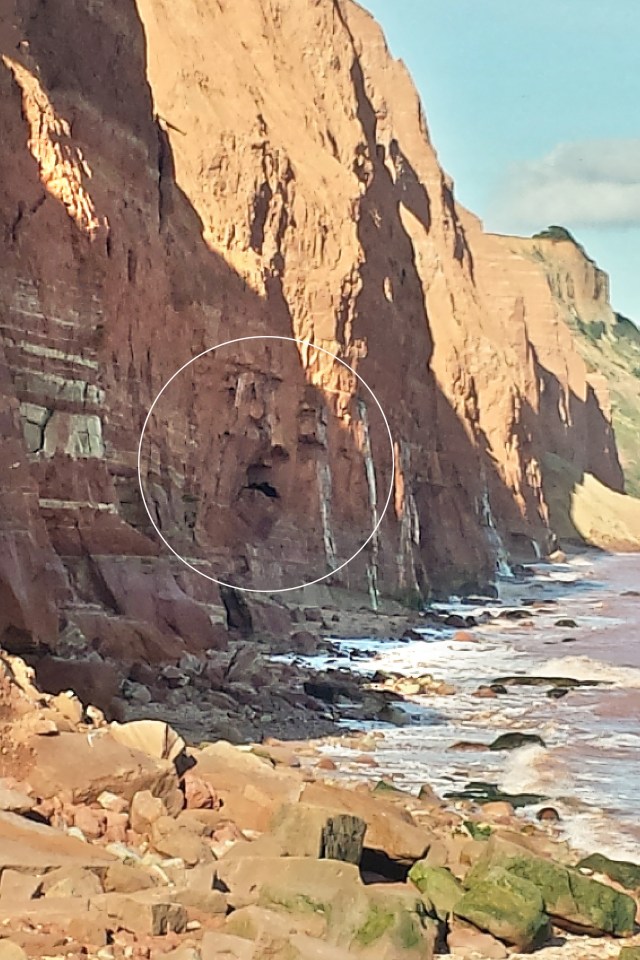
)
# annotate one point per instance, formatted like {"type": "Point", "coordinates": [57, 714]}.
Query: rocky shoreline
{"type": "Point", "coordinates": [125, 838]}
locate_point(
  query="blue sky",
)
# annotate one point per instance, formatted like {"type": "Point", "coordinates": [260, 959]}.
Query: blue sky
{"type": "Point", "coordinates": [533, 109]}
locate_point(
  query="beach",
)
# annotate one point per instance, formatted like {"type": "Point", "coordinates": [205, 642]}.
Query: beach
{"type": "Point", "coordinates": [587, 768]}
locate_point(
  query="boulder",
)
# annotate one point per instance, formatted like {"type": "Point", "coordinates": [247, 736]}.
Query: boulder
{"type": "Point", "coordinates": [82, 766]}
{"type": "Point", "coordinates": [150, 913]}
{"type": "Point", "coordinates": [15, 885]}
{"type": "Point", "coordinates": [65, 917]}
{"type": "Point", "coordinates": [11, 951]}
{"type": "Point", "coordinates": [174, 840]}
{"type": "Point", "coordinates": [498, 810]}
{"type": "Point", "coordinates": [394, 925]}
{"type": "Point", "coordinates": [196, 901]}
{"type": "Point", "coordinates": [128, 878]}
{"type": "Point", "coordinates": [387, 923]}
{"type": "Point", "coordinates": [71, 882]}
{"type": "Point", "coordinates": [574, 902]}
{"type": "Point", "coordinates": [506, 906]}
{"type": "Point", "coordinates": [263, 924]}
{"type": "Point", "coordinates": [625, 873]}
{"type": "Point", "coordinates": [467, 942]}
{"type": "Point", "coordinates": [296, 882]}
{"type": "Point", "coordinates": [438, 886]}
{"type": "Point", "coordinates": [145, 810]}
{"type": "Point", "coordinates": [13, 800]}
{"type": "Point", "coordinates": [216, 945]}
{"type": "Point", "coordinates": [198, 794]}
{"type": "Point", "coordinates": [513, 741]}
{"type": "Point", "coordinates": [303, 830]}
{"type": "Point", "coordinates": [94, 681]}
{"type": "Point", "coordinates": [27, 845]}
{"type": "Point", "coordinates": [186, 951]}
{"type": "Point", "coordinates": [112, 802]}
{"type": "Point", "coordinates": [92, 823]}
{"type": "Point", "coordinates": [456, 852]}
{"type": "Point", "coordinates": [391, 830]}
{"type": "Point", "coordinates": [249, 789]}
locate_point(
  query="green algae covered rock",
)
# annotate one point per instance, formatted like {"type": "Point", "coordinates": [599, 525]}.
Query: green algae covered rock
{"type": "Point", "coordinates": [438, 886]}
{"type": "Point", "coordinates": [507, 907]}
{"type": "Point", "coordinates": [389, 922]}
{"type": "Point", "coordinates": [622, 871]}
{"type": "Point", "coordinates": [574, 901]}
{"type": "Point", "coordinates": [395, 925]}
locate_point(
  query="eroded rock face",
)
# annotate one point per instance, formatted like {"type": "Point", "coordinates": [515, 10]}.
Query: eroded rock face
{"type": "Point", "coordinates": [172, 182]}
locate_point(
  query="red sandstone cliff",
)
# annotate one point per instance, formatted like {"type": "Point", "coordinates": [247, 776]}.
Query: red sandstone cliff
{"type": "Point", "coordinates": [175, 180]}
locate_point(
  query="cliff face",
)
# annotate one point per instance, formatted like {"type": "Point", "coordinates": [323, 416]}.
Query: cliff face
{"type": "Point", "coordinates": [608, 342]}
{"type": "Point", "coordinates": [175, 180]}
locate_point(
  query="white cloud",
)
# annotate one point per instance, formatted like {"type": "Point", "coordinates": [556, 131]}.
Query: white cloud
{"type": "Point", "coordinates": [589, 183]}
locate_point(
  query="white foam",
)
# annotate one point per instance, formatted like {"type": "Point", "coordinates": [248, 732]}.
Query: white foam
{"type": "Point", "coordinates": [585, 668]}
{"type": "Point", "coordinates": [527, 771]}
{"type": "Point", "coordinates": [592, 831]}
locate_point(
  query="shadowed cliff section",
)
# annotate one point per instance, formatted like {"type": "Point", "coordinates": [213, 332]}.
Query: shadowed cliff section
{"type": "Point", "coordinates": [95, 323]}
{"type": "Point", "coordinates": [277, 179]}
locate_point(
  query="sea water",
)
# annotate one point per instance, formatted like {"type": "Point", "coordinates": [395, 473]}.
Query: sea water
{"type": "Point", "coordinates": [589, 768]}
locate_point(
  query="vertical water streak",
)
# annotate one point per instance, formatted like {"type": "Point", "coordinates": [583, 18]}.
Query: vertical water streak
{"type": "Point", "coordinates": [502, 557]}
{"type": "Point", "coordinates": [325, 492]}
{"type": "Point", "coordinates": [409, 522]}
{"type": "Point", "coordinates": [372, 569]}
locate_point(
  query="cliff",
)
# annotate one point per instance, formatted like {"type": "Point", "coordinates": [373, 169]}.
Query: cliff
{"type": "Point", "coordinates": [173, 181]}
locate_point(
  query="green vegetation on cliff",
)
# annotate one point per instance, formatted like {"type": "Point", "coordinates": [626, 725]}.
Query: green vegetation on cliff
{"type": "Point", "coordinates": [613, 350]}
{"type": "Point", "coordinates": [608, 342]}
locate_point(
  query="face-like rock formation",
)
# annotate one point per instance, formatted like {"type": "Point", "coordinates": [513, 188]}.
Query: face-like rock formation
{"type": "Point", "coordinates": [179, 178]}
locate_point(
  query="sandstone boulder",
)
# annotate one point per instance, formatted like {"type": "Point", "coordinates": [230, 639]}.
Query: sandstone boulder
{"type": "Point", "coordinates": [438, 886]}
{"type": "Point", "coordinates": [11, 951]}
{"type": "Point", "coordinates": [216, 945]}
{"type": "Point", "coordinates": [249, 789]}
{"type": "Point", "coordinates": [391, 830]}
{"type": "Point", "coordinates": [263, 925]}
{"type": "Point", "coordinates": [175, 840]}
{"type": "Point", "coordinates": [308, 831]}
{"type": "Point", "coordinates": [65, 917]}
{"type": "Point", "coordinates": [388, 923]}
{"type": "Point", "coordinates": [82, 766]}
{"type": "Point", "coordinates": [148, 913]}
{"type": "Point", "coordinates": [27, 845]}
{"type": "Point", "coordinates": [71, 882]}
{"type": "Point", "coordinates": [145, 810]}
{"type": "Point", "coordinates": [624, 872]}
{"type": "Point", "coordinates": [394, 925]}
{"type": "Point", "coordinates": [468, 943]}
{"type": "Point", "coordinates": [197, 902]}
{"type": "Point", "coordinates": [13, 800]}
{"type": "Point", "coordinates": [573, 901]}
{"type": "Point", "coordinates": [16, 885]}
{"type": "Point", "coordinates": [506, 906]}
{"type": "Point", "coordinates": [122, 877]}
{"type": "Point", "coordinates": [198, 794]}
{"type": "Point", "coordinates": [297, 881]}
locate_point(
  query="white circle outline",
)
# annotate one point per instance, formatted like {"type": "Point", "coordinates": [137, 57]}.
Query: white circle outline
{"type": "Point", "coordinates": [222, 583]}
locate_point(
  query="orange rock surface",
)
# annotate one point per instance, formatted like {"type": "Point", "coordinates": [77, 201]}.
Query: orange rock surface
{"type": "Point", "coordinates": [178, 178]}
